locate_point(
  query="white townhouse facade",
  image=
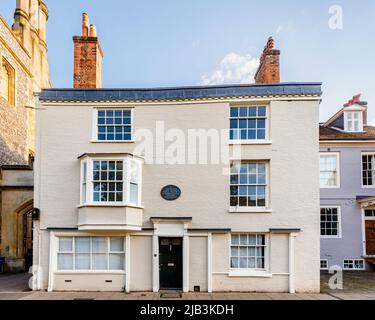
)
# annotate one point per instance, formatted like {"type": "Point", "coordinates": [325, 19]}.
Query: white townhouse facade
{"type": "Point", "coordinates": [112, 218]}
{"type": "Point", "coordinates": [128, 200]}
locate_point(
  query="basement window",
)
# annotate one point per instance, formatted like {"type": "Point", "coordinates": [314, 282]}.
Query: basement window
{"type": "Point", "coordinates": [354, 264]}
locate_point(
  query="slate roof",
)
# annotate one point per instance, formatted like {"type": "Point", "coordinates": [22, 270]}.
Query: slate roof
{"type": "Point", "coordinates": [182, 93]}
{"type": "Point", "coordinates": [329, 133]}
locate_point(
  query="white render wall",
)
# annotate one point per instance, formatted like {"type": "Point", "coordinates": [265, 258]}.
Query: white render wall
{"type": "Point", "coordinates": [65, 132]}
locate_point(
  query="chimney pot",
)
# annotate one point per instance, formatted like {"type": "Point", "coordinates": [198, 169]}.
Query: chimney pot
{"type": "Point", "coordinates": [85, 25]}
{"type": "Point", "coordinates": [92, 31]}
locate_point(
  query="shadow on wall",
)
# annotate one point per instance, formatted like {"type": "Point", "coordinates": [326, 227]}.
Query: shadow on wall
{"type": "Point", "coordinates": [11, 157]}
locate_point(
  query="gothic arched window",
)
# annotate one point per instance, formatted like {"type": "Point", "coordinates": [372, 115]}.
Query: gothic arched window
{"type": "Point", "coordinates": [7, 82]}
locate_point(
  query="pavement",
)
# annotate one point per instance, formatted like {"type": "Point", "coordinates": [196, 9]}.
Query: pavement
{"type": "Point", "coordinates": [357, 286]}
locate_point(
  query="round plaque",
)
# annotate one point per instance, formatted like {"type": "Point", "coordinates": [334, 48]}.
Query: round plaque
{"type": "Point", "coordinates": [170, 193]}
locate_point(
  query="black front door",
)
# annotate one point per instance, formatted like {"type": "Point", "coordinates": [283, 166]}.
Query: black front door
{"type": "Point", "coordinates": [170, 263]}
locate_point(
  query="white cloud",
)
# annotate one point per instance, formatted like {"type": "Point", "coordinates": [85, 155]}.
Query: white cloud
{"type": "Point", "coordinates": [234, 68]}
{"type": "Point", "coordinates": [372, 123]}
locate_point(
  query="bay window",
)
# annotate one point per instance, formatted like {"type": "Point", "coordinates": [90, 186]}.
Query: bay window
{"type": "Point", "coordinates": [111, 181]}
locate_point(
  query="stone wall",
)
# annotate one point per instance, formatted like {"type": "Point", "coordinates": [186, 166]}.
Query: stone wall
{"type": "Point", "coordinates": [14, 120]}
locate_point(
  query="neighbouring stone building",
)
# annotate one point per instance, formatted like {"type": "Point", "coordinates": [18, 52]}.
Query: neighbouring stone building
{"type": "Point", "coordinates": [24, 70]}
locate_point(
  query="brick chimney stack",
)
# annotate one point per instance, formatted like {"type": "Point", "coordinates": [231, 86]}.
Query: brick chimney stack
{"type": "Point", "coordinates": [88, 57]}
{"type": "Point", "coordinates": [269, 68]}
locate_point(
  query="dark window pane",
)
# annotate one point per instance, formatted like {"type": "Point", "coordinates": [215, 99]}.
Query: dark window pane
{"type": "Point", "coordinates": [126, 121]}
{"type": "Point", "coordinates": [234, 124]}
{"type": "Point", "coordinates": [243, 112]}
{"type": "Point", "coordinates": [233, 191]}
{"type": "Point", "coordinates": [118, 196]}
{"type": "Point", "coordinates": [234, 201]}
{"type": "Point", "coordinates": [243, 124]}
{"type": "Point", "coordinates": [111, 197]}
{"type": "Point", "coordinates": [119, 165]}
{"type": "Point", "coordinates": [234, 112]}
{"type": "Point", "coordinates": [252, 112]}
{"type": "Point", "coordinates": [243, 201]}
{"type": "Point", "coordinates": [96, 175]}
{"type": "Point", "coordinates": [251, 124]}
{"type": "Point", "coordinates": [261, 124]}
{"type": "Point", "coordinates": [261, 134]}
{"type": "Point", "coordinates": [251, 134]}
{"type": "Point", "coordinates": [243, 134]}
{"type": "Point", "coordinates": [261, 111]}
{"type": "Point", "coordinates": [103, 175]}
{"type": "Point", "coordinates": [112, 186]}
{"type": "Point", "coordinates": [101, 137]}
{"type": "Point", "coordinates": [118, 175]}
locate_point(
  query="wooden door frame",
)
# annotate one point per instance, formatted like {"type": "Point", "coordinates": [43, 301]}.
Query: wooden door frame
{"type": "Point", "coordinates": [364, 219]}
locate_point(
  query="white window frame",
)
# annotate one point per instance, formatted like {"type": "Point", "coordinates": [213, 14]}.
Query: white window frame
{"type": "Point", "coordinates": [339, 229]}
{"type": "Point", "coordinates": [127, 160]}
{"type": "Point", "coordinates": [338, 170]}
{"type": "Point", "coordinates": [349, 116]}
{"type": "Point", "coordinates": [373, 175]}
{"type": "Point", "coordinates": [266, 140]}
{"type": "Point", "coordinates": [247, 209]}
{"type": "Point", "coordinates": [354, 269]}
{"type": "Point", "coordinates": [73, 253]}
{"type": "Point", "coordinates": [95, 125]}
{"type": "Point", "coordinates": [326, 261]}
{"type": "Point", "coordinates": [239, 272]}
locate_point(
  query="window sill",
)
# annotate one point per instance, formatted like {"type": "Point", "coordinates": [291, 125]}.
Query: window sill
{"type": "Point", "coordinates": [249, 210]}
{"type": "Point", "coordinates": [109, 205]}
{"type": "Point", "coordinates": [250, 142]}
{"type": "Point", "coordinates": [328, 188]}
{"type": "Point", "coordinates": [250, 273]}
{"type": "Point", "coordinates": [119, 141]}
{"type": "Point", "coordinates": [88, 272]}
{"type": "Point", "coordinates": [330, 237]}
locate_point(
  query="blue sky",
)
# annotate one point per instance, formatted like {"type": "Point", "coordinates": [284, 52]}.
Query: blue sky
{"type": "Point", "coordinates": [189, 42]}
